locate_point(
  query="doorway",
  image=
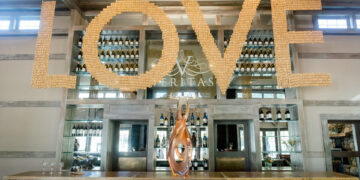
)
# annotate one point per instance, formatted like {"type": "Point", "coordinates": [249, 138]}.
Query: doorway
{"type": "Point", "coordinates": [231, 145]}
{"type": "Point", "coordinates": [344, 145]}
{"type": "Point", "coordinates": [130, 146]}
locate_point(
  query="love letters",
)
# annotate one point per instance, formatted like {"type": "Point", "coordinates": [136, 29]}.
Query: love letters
{"type": "Point", "coordinates": [222, 67]}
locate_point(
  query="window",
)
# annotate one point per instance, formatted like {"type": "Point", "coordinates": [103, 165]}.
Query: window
{"type": "Point", "coordinates": [358, 23]}
{"type": "Point", "coordinates": [29, 24]}
{"type": "Point", "coordinates": [332, 23]}
{"type": "Point", "coordinates": [269, 96]}
{"type": "Point", "coordinates": [124, 140]}
{"type": "Point", "coordinates": [4, 23]}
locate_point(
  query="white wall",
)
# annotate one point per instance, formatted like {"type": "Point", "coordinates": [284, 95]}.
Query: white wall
{"type": "Point", "coordinates": [346, 86]}
{"type": "Point", "coordinates": [28, 129]}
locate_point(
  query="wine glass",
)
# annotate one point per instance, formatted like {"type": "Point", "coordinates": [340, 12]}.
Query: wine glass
{"type": "Point", "coordinates": [52, 165]}
{"type": "Point", "coordinates": [61, 166]}
{"type": "Point", "coordinates": [44, 164]}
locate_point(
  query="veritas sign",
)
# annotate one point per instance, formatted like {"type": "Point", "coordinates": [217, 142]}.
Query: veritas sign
{"type": "Point", "coordinates": [222, 67]}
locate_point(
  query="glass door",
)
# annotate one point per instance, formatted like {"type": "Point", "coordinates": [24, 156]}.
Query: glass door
{"type": "Point", "coordinates": [130, 146]}
{"type": "Point", "coordinates": [231, 146]}
{"type": "Point", "coordinates": [344, 146]}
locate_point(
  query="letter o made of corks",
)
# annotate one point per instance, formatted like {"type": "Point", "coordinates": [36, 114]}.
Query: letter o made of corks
{"type": "Point", "coordinates": [130, 83]}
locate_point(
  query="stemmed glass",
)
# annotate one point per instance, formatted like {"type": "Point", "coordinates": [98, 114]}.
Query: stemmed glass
{"type": "Point", "coordinates": [52, 165]}
{"type": "Point", "coordinates": [44, 164]}
{"type": "Point", "coordinates": [61, 165]}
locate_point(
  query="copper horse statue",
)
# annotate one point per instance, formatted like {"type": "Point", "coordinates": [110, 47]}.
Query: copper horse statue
{"type": "Point", "coordinates": [180, 135]}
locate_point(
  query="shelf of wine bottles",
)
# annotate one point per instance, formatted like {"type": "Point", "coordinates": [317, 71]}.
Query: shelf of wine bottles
{"type": "Point", "coordinates": [118, 51]}
{"type": "Point", "coordinates": [82, 136]}
{"type": "Point", "coordinates": [197, 127]}
{"type": "Point", "coordinates": [277, 114]}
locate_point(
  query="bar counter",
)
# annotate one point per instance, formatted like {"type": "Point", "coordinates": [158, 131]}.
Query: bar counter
{"type": "Point", "coordinates": [98, 175]}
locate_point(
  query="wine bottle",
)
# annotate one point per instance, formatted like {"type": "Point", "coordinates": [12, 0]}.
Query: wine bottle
{"type": "Point", "coordinates": [108, 54]}
{"type": "Point", "coordinates": [206, 165]}
{"type": "Point", "coordinates": [98, 130]}
{"type": "Point", "coordinates": [264, 54]}
{"type": "Point", "coordinates": [105, 41]}
{"type": "Point", "coordinates": [117, 68]}
{"type": "Point", "coordinates": [131, 41]}
{"type": "Point", "coordinates": [118, 54]}
{"type": "Point", "coordinates": [287, 115]}
{"type": "Point", "coordinates": [251, 53]}
{"type": "Point", "coordinates": [157, 141]}
{"type": "Point", "coordinates": [78, 67]}
{"type": "Point", "coordinates": [268, 115]}
{"type": "Point", "coordinates": [91, 130]}
{"type": "Point", "coordinates": [246, 53]}
{"type": "Point", "coordinates": [127, 68]}
{"type": "Point", "coordinates": [77, 130]}
{"type": "Point", "coordinates": [102, 54]}
{"type": "Point", "coordinates": [247, 67]}
{"type": "Point", "coordinates": [137, 41]}
{"type": "Point", "coordinates": [225, 42]}
{"type": "Point", "coordinates": [171, 119]}
{"type": "Point", "coordinates": [110, 42]}
{"type": "Point", "coordinates": [84, 69]}
{"type": "Point", "coordinates": [242, 55]}
{"type": "Point", "coordinates": [261, 115]}
{"type": "Point", "coordinates": [132, 55]}
{"type": "Point", "coordinates": [269, 53]}
{"type": "Point", "coordinates": [127, 56]}
{"type": "Point", "coordinates": [268, 67]}
{"type": "Point", "coordinates": [278, 115]}
{"type": "Point", "coordinates": [136, 68]}
{"type": "Point", "coordinates": [121, 41]}
{"type": "Point", "coordinates": [192, 119]}
{"type": "Point", "coordinates": [131, 67]}
{"type": "Point", "coordinates": [80, 41]}
{"type": "Point", "coordinates": [80, 55]}
{"type": "Point", "coordinates": [260, 42]}
{"type": "Point", "coordinates": [205, 119]}
{"type": "Point", "coordinates": [123, 55]}
{"type": "Point", "coordinates": [237, 69]}
{"type": "Point", "coordinates": [122, 67]}
{"type": "Point", "coordinates": [113, 53]}
{"type": "Point", "coordinates": [195, 164]}
{"type": "Point", "coordinates": [166, 122]}
{"type": "Point", "coordinates": [251, 41]}
{"type": "Point", "coordinates": [127, 41]}
{"type": "Point", "coordinates": [193, 139]}
{"type": "Point", "coordinates": [163, 142]}
{"type": "Point", "coordinates": [266, 41]}
{"type": "Point", "coordinates": [271, 41]}
{"type": "Point", "coordinates": [137, 54]}
{"type": "Point", "coordinates": [81, 131]}
{"type": "Point", "coordinates": [85, 130]}
{"type": "Point", "coordinates": [100, 41]}
{"type": "Point", "coordinates": [255, 41]}
{"type": "Point", "coordinates": [273, 67]}
{"type": "Point", "coordinates": [198, 120]}
{"type": "Point", "coordinates": [204, 141]}
{"type": "Point", "coordinates": [116, 41]}
{"type": "Point", "coordinates": [256, 54]}
{"type": "Point", "coordinates": [73, 130]}
{"type": "Point", "coordinates": [263, 67]}
{"type": "Point", "coordinates": [111, 67]}
{"type": "Point", "coordinates": [252, 68]}
{"type": "Point", "coordinates": [258, 67]}
{"type": "Point", "coordinates": [242, 67]}
{"type": "Point", "coordinates": [162, 119]}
